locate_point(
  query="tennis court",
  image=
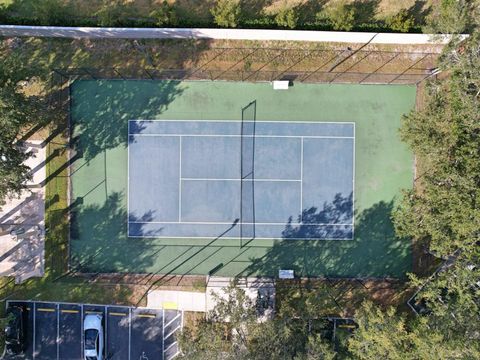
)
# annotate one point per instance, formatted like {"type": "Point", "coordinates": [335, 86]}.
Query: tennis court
{"type": "Point", "coordinates": [235, 179]}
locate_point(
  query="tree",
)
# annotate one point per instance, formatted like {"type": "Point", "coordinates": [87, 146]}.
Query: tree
{"type": "Point", "coordinates": [443, 211]}
{"type": "Point", "coordinates": [317, 348]}
{"type": "Point", "coordinates": [453, 17]}
{"type": "Point", "coordinates": [231, 331]}
{"type": "Point", "coordinates": [287, 16]}
{"type": "Point", "coordinates": [226, 13]}
{"type": "Point", "coordinates": [387, 335]}
{"type": "Point", "coordinates": [165, 14]}
{"type": "Point", "coordinates": [380, 335]}
{"type": "Point", "coordinates": [340, 15]}
{"type": "Point", "coordinates": [401, 21]}
{"type": "Point", "coordinates": [53, 12]}
{"type": "Point", "coordinates": [225, 329]}
{"type": "Point", "coordinates": [114, 13]}
{"type": "Point", "coordinates": [16, 111]}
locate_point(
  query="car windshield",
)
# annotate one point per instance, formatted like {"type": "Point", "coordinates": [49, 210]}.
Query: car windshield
{"type": "Point", "coordinates": [90, 339]}
{"type": "Point", "coordinates": [91, 358]}
{"type": "Point", "coordinates": [10, 332]}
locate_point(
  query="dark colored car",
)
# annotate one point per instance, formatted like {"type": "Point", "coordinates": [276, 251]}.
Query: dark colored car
{"type": "Point", "coordinates": [15, 339]}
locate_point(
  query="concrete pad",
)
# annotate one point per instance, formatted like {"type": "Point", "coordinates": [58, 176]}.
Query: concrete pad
{"type": "Point", "coordinates": [22, 223]}
{"type": "Point", "coordinates": [261, 292]}
{"type": "Point", "coordinates": [178, 300]}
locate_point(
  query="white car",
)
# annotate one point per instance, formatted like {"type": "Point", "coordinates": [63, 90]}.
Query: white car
{"type": "Point", "coordinates": [93, 337]}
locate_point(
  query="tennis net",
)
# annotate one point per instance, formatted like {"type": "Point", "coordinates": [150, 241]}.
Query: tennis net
{"type": "Point", "coordinates": [247, 171]}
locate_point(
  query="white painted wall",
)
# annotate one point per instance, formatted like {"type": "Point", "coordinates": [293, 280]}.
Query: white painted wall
{"type": "Point", "coordinates": [230, 34]}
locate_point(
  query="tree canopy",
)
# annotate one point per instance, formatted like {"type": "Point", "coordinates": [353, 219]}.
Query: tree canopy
{"type": "Point", "coordinates": [17, 110]}
{"type": "Point", "coordinates": [231, 331]}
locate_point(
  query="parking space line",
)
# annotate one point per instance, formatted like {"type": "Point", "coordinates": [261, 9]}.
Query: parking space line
{"type": "Point", "coordinates": [163, 334]}
{"type": "Point", "coordinates": [146, 315]}
{"type": "Point", "coordinates": [169, 346]}
{"type": "Point", "coordinates": [68, 311]}
{"type": "Point", "coordinates": [117, 314]}
{"type": "Point", "coordinates": [105, 351]}
{"type": "Point", "coordinates": [46, 310]}
{"type": "Point", "coordinates": [81, 330]}
{"type": "Point", "coordinates": [130, 313]}
{"type": "Point", "coordinates": [34, 329]}
{"type": "Point", "coordinates": [171, 321]}
{"type": "Point", "coordinates": [129, 332]}
{"type": "Point", "coordinates": [172, 332]}
{"type": "Point", "coordinates": [58, 332]}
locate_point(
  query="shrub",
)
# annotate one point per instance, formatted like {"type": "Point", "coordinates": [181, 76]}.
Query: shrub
{"type": "Point", "coordinates": [52, 12]}
{"type": "Point", "coordinates": [287, 16]}
{"type": "Point", "coordinates": [340, 15]}
{"type": "Point", "coordinates": [453, 17]}
{"type": "Point", "coordinates": [401, 21]}
{"type": "Point", "coordinates": [226, 13]}
{"type": "Point", "coordinates": [114, 13]}
{"type": "Point", "coordinates": [165, 14]}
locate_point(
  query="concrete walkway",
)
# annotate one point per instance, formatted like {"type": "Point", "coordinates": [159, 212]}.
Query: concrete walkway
{"type": "Point", "coordinates": [22, 224]}
{"type": "Point", "coordinates": [257, 289]}
{"type": "Point", "coordinates": [176, 300]}
{"type": "Point", "coordinates": [229, 34]}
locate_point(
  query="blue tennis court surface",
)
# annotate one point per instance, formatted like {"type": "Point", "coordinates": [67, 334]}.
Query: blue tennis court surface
{"type": "Point", "coordinates": [232, 179]}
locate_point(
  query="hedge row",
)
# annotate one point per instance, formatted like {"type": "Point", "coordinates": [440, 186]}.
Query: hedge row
{"type": "Point", "coordinates": [265, 22]}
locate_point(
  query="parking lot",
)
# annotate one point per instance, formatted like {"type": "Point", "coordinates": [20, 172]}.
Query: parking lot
{"type": "Point", "coordinates": [55, 331]}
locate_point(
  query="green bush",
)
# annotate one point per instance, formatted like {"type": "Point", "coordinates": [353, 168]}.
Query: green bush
{"type": "Point", "coordinates": [401, 21]}
{"type": "Point", "coordinates": [453, 17]}
{"type": "Point", "coordinates": [287, 17]}
{"type": "Point", "coordinates": [165, 15]}
{"type": "Point", "coordinates": [226, 13]}
{"type": "Point", "coordinates": [115, 13]}
{"type": "Point", "coordinates": [340, 15]}
{"type": "Point", "coordinates": [52, 12]}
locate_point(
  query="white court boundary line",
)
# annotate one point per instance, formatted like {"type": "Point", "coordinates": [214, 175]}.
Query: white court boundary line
{"type": "Point", "coordinates": [128, 179]}
{"type": "Point", "coordinates": [180, 180]}
{"type": "Point", "coordinates": [206, 238]}
{"type": "Point", "coordinates": [230, 223]}
{"type": "Point", "coordinates": [353, 181]}
{"type": "Point", "coordinates": [248, 136]}
{"type": "Point", "coordinates": [301, 137]}
{"type": "Point", "coordinates": [230, 179]}
{"type": "Point", "coordinates": [313, 122]}
{"type": "Point", "coordinates": [301, 180]}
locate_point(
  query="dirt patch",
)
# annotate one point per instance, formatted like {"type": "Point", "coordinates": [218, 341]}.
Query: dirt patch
{"type": "Point", "coordinates": [340, 297]}
{"type": "Point", "coordinates": [158, 282]}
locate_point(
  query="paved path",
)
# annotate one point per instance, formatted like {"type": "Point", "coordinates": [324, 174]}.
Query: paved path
{"type": "Point", "coordinates": [22, 254]}
{"type": "Point", "coordinates": [231, 34]}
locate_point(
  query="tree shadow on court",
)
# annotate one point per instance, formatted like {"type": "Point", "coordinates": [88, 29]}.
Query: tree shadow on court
{"type": "Point", "coordinates": [101, 110]}
{"type": "Point", "coordinates": [374, 252]}
{"type": "Point", "coordinates": [339, 211]}
{"type": "Point", "coordinates": [99, 242]}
